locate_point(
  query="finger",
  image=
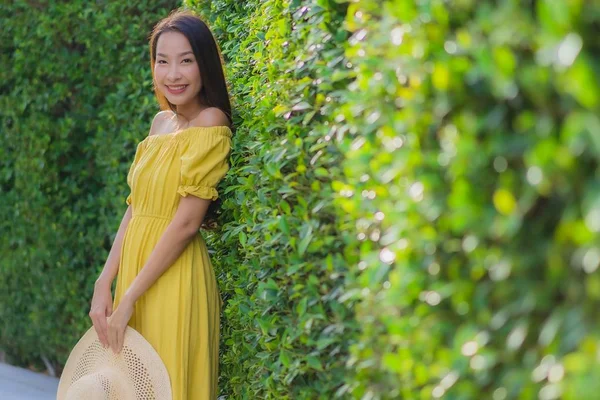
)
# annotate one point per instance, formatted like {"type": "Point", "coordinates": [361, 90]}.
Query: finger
{"type": "Point", "coordinates": [109, 311]}
{"type": "Point", "coordinates": [120, 340]}
{"type": "Point", "coordinates": [102, 322]}
{"type": "Point", "coordinates": [98, 329]}
{"type": "Point", "coordinates": [111, 339]}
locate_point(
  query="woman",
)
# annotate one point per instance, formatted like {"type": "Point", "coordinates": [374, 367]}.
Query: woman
{"type": "Point", "coordinates": [166, 288]}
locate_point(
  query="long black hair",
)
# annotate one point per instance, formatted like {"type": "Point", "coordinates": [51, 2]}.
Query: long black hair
{"type": "Point", "coordinates": [214, 91]}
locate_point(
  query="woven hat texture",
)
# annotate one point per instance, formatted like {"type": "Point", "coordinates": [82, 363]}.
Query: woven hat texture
{"type": "Point", "coordinates": [95, 373]}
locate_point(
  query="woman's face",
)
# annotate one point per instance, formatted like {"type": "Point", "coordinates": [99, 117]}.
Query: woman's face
{"type": "Point", "coordinates": [176, 67]}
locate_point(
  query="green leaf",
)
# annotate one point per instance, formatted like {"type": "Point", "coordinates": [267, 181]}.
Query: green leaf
{"type": "Point", "coordinates": [305, 238]}
{"type": "Point", "coordinates": [314, 363]}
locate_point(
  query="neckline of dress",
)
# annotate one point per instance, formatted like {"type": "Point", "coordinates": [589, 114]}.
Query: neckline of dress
{"type": "Point", "coordinates": [223, 128]}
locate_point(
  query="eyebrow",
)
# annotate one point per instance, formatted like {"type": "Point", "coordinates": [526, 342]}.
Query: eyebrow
{"type": "Point", "coordinates": [180, 54]}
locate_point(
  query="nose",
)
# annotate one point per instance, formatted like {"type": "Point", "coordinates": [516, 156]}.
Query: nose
{"type": "Point", "coordinates": [173, 74]}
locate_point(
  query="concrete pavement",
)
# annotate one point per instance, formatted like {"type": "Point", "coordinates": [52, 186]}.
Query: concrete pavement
{"type": "Point", "coordinates": [23, 384]}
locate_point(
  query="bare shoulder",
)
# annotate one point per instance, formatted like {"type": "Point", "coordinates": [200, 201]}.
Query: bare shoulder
{"type": "Point", "coordinates": [212, 116]}
{"type": "Point", "coordinates": [161, 120]}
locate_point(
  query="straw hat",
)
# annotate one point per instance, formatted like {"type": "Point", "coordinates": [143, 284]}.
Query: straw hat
{"type": "Point", "coordinates": [95, 373]}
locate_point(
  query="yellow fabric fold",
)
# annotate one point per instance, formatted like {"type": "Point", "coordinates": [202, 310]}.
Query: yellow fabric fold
{"type": "Point", "coordinates": [138, 154]}
{"type": "Point", "coordinates": [204, 162]}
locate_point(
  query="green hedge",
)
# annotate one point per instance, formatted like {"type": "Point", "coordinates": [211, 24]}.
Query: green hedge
{"type": "Point", "coordinates": [429, 166]}
{"type": "Point", "coordinates": [412, 209]}
{"type": "Point", "coordinates": [281, 268]}
{"type": "Point", "coordinates": [471, 179]}
{"type": "Point", "coordinates": [75, 99]}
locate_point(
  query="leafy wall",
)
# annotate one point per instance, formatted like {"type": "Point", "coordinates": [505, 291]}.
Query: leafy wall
{"type": "Point", "coordinates": [412, 209]}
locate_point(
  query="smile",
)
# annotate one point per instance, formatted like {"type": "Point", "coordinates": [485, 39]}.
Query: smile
{"type": "Point", "coordinates": [177, 89]}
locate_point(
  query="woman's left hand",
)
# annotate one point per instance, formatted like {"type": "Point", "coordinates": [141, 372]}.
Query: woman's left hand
{"type": "Point", "coordinates": [117, 323]}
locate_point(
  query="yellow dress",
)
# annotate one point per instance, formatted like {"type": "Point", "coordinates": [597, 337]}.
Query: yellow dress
{"type": "Point", "coordinates": [179, 314]}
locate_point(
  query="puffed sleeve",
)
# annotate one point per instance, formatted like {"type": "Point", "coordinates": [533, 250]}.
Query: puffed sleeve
{"type": "Point", "coordinates": [204, 162]}
{"type": "Point", "coordinates": [136, 159]}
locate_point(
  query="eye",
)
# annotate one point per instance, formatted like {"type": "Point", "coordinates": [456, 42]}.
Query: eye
{"type": "Point", "coordinates": [158, 62]}
{"type": "Point", "coordinates": [188, 59]}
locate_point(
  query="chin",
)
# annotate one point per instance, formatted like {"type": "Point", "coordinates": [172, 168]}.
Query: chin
{"type": "Point", "coordinates": [177, 102]}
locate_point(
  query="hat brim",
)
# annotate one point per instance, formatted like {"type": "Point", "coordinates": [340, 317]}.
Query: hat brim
{"type": "Point", "coordinates": [137, 365]}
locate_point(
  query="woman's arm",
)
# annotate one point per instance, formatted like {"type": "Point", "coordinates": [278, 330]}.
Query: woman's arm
{"type": "Point", "coordinates": [171, 244]}
{"type": "Point", "coordinates": [178, 234]}
{"type": "Point", "coordinates": [111, 266]}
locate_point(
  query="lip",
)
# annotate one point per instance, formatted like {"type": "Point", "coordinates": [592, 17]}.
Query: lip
{"type": "Point", "coordinates": [177, 91]}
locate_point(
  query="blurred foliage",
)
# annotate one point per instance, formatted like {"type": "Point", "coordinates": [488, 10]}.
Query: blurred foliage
{"type": "Point", "coordinates": [471, 137]}
{"type": "Point", "coordinates": [75, 98]}
{"type": "Point", "coordinates": [413, 208]}
{"type": "Point", "coordinates": [456, 145]}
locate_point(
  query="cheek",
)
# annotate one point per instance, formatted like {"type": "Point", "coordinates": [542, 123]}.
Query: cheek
{"type": "Point", "coordinates": [193, 73]}
{"type": "Point", "coordinates": [158, 73]}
